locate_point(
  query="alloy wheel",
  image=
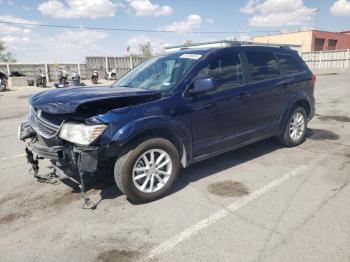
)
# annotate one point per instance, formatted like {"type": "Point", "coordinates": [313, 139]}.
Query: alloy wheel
{"type": "Point", "coordinates": [152, 170]}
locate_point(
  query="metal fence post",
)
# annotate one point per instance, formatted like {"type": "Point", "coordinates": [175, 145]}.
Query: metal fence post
{"type": "Point", "coordinates": [8, 69]}
{"type": "Point", "coordinates": [47, 73]}
{"type": "Point", "coordinates": [347, 58]}
{"type": "Point", "coordinates": [79, 69]}
{"type": "Point", "coordinates": [131, 63]}
{"type": "Point", "coordinates": [107, 69]}
{"type": "Point", "coordinates": [320, 61]}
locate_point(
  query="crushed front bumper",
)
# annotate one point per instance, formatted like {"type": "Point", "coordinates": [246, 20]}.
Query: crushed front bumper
{"type": "Point", "coordinates": [82, 158]}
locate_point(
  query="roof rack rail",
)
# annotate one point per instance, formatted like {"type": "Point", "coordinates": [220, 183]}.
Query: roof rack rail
{"type": "Point", "coordinates": [228, 43]}
{"type": "Point", "coordinates": [245, 43]}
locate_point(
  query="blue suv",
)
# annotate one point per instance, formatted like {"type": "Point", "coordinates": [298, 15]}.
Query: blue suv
{"type": "Point", "coordinates": [171, 111]}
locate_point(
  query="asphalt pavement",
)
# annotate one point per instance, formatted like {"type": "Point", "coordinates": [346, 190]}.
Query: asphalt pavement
{"type": "Point", "coordinates": [263, 202]}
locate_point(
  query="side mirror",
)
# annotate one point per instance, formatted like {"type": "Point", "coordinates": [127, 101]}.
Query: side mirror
{"type": "Point", "coordinates": [201, 86]}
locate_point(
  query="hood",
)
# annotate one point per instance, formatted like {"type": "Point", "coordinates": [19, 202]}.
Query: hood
{"type": "Point", "coordinates": [68, 100]}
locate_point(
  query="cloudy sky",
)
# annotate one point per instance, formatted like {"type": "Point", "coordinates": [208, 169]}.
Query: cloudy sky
{"type": "Point", "coordinates": [243, 18]}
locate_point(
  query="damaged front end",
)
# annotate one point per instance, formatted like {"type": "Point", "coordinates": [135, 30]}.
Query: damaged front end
{"type": "Point", "coordinates": [62, 128]}
{"type": "Point", "coordinates": [75, 161]}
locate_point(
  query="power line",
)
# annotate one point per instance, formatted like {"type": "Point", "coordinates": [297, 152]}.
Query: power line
{"type": "Point", "coordinates": [133, 30]}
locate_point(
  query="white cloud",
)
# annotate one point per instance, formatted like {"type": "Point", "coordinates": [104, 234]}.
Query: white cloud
{"type": "Point", "coordinates": [146, 8]}
{"type": "Point", "coordinates": [15, 19]}
{"type": "Point", "coordinates": [278, 13]}
{"type": "Point", "coordinates": [10, 29]}
{"type": "Point", "coordinates": [78, 8]}
{"type": "Point", "coordinates": [63, 46]}
{"type": "Point", "coordinates": [156, 43]}
{"type": "Point", "coordinates": [191, 22]}
{"type": "Point", "coordinates": [341, 7]}
{"type": "Point", "coordinates": [250, 7]}
{"type": "Point", "coordinates": [240, 37]}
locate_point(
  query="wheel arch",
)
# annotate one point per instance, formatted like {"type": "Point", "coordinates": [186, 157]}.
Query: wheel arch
{"type": "Point", "coordinates": [173, 131]}
{"type": "Point", "coordinates": [300, 99]}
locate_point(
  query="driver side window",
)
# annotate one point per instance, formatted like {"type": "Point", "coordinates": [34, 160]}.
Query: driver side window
{"type": "Point", "coordinates": [226, 70]}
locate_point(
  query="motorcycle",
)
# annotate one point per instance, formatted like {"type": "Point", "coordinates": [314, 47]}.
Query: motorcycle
{"type": "Point", "coordinates": [41, 79]}
{"type": "Point", "coordinates": [112, 75]}
{"type": "Point", "coordinates": [3, 81]}
{"type": "Point", "coordinates": [94, 77]}
{"type": "Point", "coordinates": [62, 78]}
{"type": "Point", "coordinates": [75, 79]}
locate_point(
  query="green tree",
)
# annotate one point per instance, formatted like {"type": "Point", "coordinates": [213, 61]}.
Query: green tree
{"type": "Point", "coordinates": [6, 57]}
{"type": "Point", "coordinates": [188, 42]}
{"type": "Point", "coordinates": [146, 50]}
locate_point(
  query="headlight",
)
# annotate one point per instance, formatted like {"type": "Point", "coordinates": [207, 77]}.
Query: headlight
{"type": "Point", "coordinates": [81, 134]}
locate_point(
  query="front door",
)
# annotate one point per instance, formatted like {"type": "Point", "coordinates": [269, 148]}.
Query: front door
{"type": "Point", "coordinates": [219, 115]}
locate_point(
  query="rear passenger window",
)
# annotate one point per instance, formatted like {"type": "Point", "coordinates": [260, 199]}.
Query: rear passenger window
{"type": "Point", "coordinates": [290, 65]}
{"type": "Point", "coordinates": [262, 65]}
{"type": "Point", "coordinates": [226, 70]}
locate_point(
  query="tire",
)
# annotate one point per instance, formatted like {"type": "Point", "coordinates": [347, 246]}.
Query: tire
{"type": "Point", "coordinates": [2, 88]}
{"type": "Point", "coordinates": [132, 157]}
{"type": "Point", "coordinates": [290, 139]}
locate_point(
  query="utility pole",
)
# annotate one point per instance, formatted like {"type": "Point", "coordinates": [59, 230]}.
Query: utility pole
{"type": "Point", "coordinates": [317, 11]}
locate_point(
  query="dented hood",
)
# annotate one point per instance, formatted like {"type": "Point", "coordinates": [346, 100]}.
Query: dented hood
{"type": "Point", "coordinates": [67, 100]}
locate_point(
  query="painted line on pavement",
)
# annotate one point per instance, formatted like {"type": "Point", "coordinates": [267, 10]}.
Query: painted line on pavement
{"type": "Point", "coordinates": [330, 89]}
{"type": "Point", "coordinates": [11, 157]}
{"type": "Point", "coordinates": [212, 219]}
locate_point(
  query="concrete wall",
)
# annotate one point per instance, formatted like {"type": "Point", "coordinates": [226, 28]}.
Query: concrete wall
{"type": "Point", "coordinates": [331, 60]}
{"type": "Point", "coordinates": [31, 69]}
{"type": "Point", "coordinates": [106, 64]}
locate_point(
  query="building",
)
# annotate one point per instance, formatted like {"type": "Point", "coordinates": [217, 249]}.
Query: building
{"type": "Point", "coordinates": [312, 40]}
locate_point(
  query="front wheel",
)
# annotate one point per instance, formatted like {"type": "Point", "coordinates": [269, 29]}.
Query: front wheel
{"type": "Point", "coordinates": [146, 170]}
{"type": "Point", "coordinates": [295, 129]}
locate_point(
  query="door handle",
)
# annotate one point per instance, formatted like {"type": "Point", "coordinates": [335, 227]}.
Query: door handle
{"type": "Point", "coordinates": [242, 95]}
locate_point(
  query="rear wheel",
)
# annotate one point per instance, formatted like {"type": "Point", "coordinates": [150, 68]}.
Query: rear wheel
{"type": "Point", "coordinates": [146, 170]}
{"type": "Point", "coordinates": [295, 129]}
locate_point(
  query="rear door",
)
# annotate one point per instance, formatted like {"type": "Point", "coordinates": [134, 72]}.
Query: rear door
{"type": "Point", "coordinates": [266, 92]}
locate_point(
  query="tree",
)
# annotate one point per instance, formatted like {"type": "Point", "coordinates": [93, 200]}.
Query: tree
{"type": "Point", "coordinates": [6, 57]}
{"type": "Point", "coordinates": [146, 50]}
{"type": "Point", "coordinates": [188, 42]}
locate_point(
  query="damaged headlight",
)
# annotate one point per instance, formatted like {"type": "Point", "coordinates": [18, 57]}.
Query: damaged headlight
{"type": "Point", "coordinates": [80, 133]}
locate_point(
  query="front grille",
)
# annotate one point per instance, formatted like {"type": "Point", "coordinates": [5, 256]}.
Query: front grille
{"type": "Point", "coordinates": [41, 125]}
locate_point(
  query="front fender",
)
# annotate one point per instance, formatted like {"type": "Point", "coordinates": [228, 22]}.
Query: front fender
{"type": "Point", "coordinates": [147, 124]}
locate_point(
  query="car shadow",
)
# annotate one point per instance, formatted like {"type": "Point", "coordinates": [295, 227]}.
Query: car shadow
{"type": "Point", "coordinates": [225, 161]}
{"type": "Point", "coordinates": [108, 190]}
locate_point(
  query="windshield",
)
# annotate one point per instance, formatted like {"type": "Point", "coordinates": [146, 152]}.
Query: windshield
{"type": "Point", "coordinates": [159, 73]}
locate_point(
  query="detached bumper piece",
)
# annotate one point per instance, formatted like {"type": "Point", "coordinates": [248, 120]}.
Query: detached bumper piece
{"type": "Point", "coordinates": [84, 159]}
{"type": "Point", "coordinates": [55, 153]}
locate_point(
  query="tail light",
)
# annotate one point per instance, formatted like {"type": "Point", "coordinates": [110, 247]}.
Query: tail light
{"type": "Point", "coordinates": [313, 78]}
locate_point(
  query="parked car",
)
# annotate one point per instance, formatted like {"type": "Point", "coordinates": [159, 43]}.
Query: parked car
{"type": "Point", "coordinates": [172, 111]}
{"type": "Point", "coordinates": [3, 81]}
